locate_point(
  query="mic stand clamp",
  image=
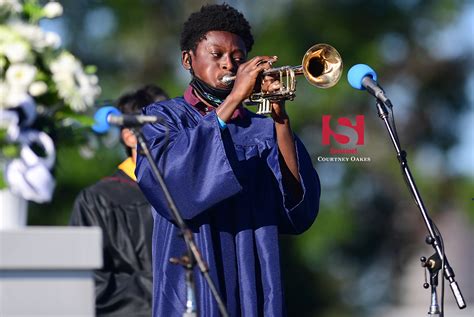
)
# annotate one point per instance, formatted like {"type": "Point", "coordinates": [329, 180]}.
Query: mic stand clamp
{"type": "Point", "coordinates": [188, 263]}
{"type": "Point", "coordinates": [432, 265]}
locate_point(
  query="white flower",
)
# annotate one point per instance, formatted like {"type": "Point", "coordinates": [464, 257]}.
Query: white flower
{"type": "Point", "coordinates": [53, 10]}
{"type": "Point", "coordinates": [52, 39]}
{"type": "Point", "coordinates": [7, 34]}
{"type": "Point", "coordinates": [13, 6]}
{"type": "Point", "coordinates": [38, 88]}
{"type": "Point", "coordinates": [64, 65]}
{"type": "Point", "coordinates": [31, 33]}
{"type": "Point", "coordinates": [78, 89]}
{"type": "Point", "coordinates": [94, 80]}
{"type": "Point", "coordinates": [27, 53]}
{"type": "Point", "coordinates": [15, 96]}
{"type": "Point", "coordinates": [3, 94]}
{"type": "Point", "coordinates": [7, 38]}
{"type": "Point", "coordinates": [20, 75]}
{"type": "Point", "coordinates": [16, 52]}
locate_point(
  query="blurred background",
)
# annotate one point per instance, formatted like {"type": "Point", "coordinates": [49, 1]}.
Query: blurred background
{"type": "Point", "coordinates": [361, 256]}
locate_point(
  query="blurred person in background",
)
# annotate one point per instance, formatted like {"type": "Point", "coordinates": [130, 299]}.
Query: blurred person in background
{"type": "Point", "coordinates": [239, 179]}
{"type": "Point", "coordinates": [116, 205]}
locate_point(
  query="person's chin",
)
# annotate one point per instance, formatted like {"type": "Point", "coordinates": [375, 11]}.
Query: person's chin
{"type": "Point", "coordinates": [219, 85]}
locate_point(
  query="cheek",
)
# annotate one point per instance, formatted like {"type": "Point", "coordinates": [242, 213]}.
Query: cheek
{"type": "Point", "coordinates": [211, 71]}
{"type": "Point", "coordinates": [208, 73]}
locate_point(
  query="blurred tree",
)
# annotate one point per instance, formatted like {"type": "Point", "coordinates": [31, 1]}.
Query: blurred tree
{"type": "Point", "coordinates": [348, 262]}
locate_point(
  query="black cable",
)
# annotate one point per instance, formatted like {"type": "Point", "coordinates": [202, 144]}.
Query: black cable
{"type": "Point", "coordinates": [395, 134]}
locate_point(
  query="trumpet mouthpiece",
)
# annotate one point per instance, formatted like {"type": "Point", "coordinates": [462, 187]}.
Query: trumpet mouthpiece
{"type": "Point", "coordinates": [228, 79]}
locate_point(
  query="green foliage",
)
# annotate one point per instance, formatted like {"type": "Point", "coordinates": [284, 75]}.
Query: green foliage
{"type": "Point", "coordinates": [3, 184]}
{"type": "Point", "coordinates": [9, 150]}
{"type": "Point", "coordinates": [32, 11]}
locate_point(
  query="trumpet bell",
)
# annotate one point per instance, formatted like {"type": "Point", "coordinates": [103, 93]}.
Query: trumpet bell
{"type": "Point", "coordinates": [322, 65]}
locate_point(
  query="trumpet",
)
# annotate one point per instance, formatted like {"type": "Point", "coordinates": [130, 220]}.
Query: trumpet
{"type": "Point", "coordinates": [321, 65]}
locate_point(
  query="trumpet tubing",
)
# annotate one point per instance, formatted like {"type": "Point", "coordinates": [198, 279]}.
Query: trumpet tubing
{"type": "Point", "coordinates": [321, 65]}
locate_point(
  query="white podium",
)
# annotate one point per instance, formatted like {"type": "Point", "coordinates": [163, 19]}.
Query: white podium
{"type": "Point", "coordinates": [47, 271]}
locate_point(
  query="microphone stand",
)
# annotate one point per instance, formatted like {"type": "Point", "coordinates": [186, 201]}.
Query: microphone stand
{"type": "Point", "coordinates": [193, 256]}
{"type": "Point", "coordinates": [433, 239]}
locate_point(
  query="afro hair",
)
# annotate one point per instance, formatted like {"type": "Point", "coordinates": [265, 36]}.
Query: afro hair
{"type": "Point", "coordinates": [215, 17]}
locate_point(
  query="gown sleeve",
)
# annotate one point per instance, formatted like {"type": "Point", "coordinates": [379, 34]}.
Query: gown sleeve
{"type": "Point", "coordinates": [119, 291]}
{"type": "Point", "coordinates": [189, 152]}
{"type": "Point", "coordinates": [297, 216]}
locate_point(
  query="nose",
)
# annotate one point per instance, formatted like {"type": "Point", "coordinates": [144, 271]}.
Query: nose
{"type": "Point", "coordinates": [228, 63]}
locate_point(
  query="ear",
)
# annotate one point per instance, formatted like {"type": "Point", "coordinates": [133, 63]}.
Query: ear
{"type": "Point", "coordinates": [128, 138]}
{"type": "Point", "coordinates": [186, 59]}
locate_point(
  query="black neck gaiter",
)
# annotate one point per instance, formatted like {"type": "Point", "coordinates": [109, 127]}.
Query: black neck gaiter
{"type": "Point", "coordinates": [215, 96]}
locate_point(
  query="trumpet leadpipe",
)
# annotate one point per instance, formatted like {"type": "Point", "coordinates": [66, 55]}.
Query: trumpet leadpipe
{"type": "Point", "coordinates": [298, 70]}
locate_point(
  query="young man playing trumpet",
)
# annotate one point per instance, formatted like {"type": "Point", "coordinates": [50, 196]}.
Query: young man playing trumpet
{"type": "Point", "coordinates": [238, 179]}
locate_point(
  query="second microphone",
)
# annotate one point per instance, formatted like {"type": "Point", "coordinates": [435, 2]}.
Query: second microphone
{"type": "Point", "coordinates": [107, 116]}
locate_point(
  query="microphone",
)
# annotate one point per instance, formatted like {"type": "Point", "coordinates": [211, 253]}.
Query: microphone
{"type": "Point", "coordinates": [107, 116]}
{"type": "Point", "coordinates": [363, 77]}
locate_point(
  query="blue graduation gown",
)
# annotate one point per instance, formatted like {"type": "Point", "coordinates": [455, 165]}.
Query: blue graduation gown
{"type": "Point", "coordinates": [227, 185]}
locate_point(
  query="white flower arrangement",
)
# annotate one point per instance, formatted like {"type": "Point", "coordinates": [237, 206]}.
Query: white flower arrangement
{"type": "Point", "coordinates": [38, 80]}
